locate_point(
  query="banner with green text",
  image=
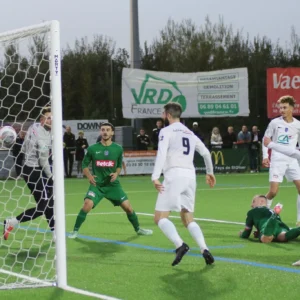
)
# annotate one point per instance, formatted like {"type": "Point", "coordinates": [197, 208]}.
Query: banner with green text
{"type": "Point", "coordinates": [203, 95]}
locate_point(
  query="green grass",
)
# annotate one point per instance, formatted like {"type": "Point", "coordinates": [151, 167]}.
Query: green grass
{"type": "Point", "coordinates": [126, 271]}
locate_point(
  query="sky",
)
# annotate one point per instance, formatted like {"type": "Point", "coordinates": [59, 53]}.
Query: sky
{"type": "Point", "coordinates": [111, 18]}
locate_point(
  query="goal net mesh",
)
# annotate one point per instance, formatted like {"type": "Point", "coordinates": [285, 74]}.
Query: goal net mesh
{"type": "Point", "coordinates": [27, 258]}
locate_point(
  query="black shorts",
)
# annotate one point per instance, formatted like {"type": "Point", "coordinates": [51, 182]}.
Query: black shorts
{"type": "Point", "coordinates": [40, 186]}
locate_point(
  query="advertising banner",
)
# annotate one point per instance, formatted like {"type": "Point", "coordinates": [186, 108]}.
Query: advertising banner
{"type": "Point", "coordinates": [91, 128]}
{"type": "Point", "coordinates": [282, 82]}
{"type": "Point", "coordinates": [204, 94]}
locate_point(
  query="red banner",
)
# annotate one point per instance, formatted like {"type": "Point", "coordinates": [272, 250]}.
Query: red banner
{"type": "Point", "coordinates": [282, 82]}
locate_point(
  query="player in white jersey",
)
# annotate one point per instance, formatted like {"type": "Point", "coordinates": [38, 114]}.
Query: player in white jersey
{"type": "Point", "coordinates": [286, 150]}
{"type": "Point", "coordinates": [175, 155]}
{"type": "Point", "coordinates": [37, 174]}
{"type": "Point", "coordinates": [285, 131]}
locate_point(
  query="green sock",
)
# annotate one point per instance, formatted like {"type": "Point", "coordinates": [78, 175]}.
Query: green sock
{"type": "Point", "coordinates": [270, 226]}
{"type": "Point", "coordinates": [80, 219]}
{"type": "Point", "coordinates": [293, 233]}
{"type": "Point", "coordinates": [133, 219]}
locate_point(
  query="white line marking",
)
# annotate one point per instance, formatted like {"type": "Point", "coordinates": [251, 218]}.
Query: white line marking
{"type": "Point", "coordinates": [174, 217]}
{"type": "Point", "coordinates": [90, 294]}
{"type": "Point", "coordinates": [155, 191]}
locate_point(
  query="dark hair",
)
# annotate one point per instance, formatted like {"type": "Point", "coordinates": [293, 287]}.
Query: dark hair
{"type": "Point", "coordinates": [262, 196]}
{"type": "Point", "coordinates": [108, 124]}
{"type": "Point", "coordinates": [174, 109]}
{"type": "Point", "coordinates": [287, 99]}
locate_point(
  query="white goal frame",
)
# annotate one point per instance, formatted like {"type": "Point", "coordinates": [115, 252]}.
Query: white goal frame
{"type": "Point", "coordinates": [57, 146]}
{"type": "Point", "coordinates": [53, 30]}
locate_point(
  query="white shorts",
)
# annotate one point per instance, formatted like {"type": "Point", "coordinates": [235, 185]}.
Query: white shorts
{"type": "Point", "coordinates": [279, 169]}
{"type": "Point", "coordinates": [179, 193]}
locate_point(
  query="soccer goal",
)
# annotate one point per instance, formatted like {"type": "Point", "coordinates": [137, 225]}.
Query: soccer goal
{"type": "Point", "coordinates": [30, 79]}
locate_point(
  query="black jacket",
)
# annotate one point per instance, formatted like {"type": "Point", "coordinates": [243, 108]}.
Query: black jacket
{"type": "Point", "coordinates": [155, 135]}
{"type": "Point", "coordinates": [142, 142]}
{"type": "Point", "coordinates": [69, 140]}
{"type": "Point", "coordinates": [228, 140]}
{"type": "Point", "coordinates": [79, 150]}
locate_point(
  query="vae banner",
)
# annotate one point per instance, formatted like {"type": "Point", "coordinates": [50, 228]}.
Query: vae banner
{"type": "Point", "coordinates": [139, 162]}
{"type": "Point", "coordinates": [205, 94]}
{"type": "Point", "coordinates": [225, 160]}
{"type": "Point", "coordinates": [282, 82]}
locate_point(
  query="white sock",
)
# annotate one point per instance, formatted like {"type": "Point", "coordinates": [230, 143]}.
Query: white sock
{"type": "Point", "coordinates": [169, 230]}
{"type": "Point", "coordinates": [298, 208]}
{"type": "Point", "coordinates": [13, 221]}
{"type": "Point", "coordinates": [269, 202]}
{"type": "Point", "coordinates": [197, 235]}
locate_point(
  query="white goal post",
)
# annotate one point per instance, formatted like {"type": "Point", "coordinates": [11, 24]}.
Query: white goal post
{"type": "Point", "coordinates": [30, 78]}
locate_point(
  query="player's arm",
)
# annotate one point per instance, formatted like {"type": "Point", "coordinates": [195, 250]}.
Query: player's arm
{"type": "Point", "coordinates": [163, 145]}
{"type": "Point", "coordinates": [244, 234]}
{"type": "Point", "coordinates": [204, 152]}
{"type": "Point", "coordinates": [268, 133]}
{"type": "Point", "coordinates": [286, 150]}
{"type": "Point", "coordinates": [85, 167]}
{"type": "Point", "coordinates": [43, 152]}
{"type": "Point", "coordinates": [115, 175]}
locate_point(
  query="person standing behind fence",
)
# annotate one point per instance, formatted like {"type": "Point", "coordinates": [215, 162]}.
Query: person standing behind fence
{"type": "Point", "coordinates": [69, 140]}
{"type": "Point", "coordinates": [216, 139]}
{"type": "Point", "coordinates": [18, 155]}
{"type": "Point", "coordinates": [142, 140]}
{"type": "Point", "coordinates": [256, 139]}
{"type": "Point", "coordinates": [155, 134]}
{"type": "Point", "coordinates": [81, 145]}
{"type": "Point", "coordinates": [229, 139]}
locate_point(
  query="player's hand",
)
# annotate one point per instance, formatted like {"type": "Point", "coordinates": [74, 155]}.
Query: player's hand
{"type": "Point", "coordinates": [211, 180]}
{"type": "Point", "coordinates": [158, 185]}
{"type": "Point", "coordinates": [92, 180]}
{"type": "Point", "coordinates": [266, 163]}
{"type": "Point", "coordinates": [113, 176]}
{"type": "Point", "coordinates": [267, 141]}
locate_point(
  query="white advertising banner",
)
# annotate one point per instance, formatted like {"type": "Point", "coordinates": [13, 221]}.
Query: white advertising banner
{"type": "Point", "coordinates": [138, 162]}
{"type": "Point", "coordinates": [91, 128]}
{"type": "Point", "coordinates": [201, 95]}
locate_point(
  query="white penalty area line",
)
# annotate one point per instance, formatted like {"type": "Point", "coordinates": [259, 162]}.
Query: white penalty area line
{"type": "Point", "coordinates": [152, 215]}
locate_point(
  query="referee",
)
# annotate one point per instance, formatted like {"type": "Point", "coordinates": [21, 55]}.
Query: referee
{"type": "Point", "coordinates": [37, 174]}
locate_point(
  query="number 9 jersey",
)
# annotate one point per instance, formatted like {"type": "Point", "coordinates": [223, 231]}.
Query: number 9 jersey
{"type": "Point", "coordinates": [176, 148]}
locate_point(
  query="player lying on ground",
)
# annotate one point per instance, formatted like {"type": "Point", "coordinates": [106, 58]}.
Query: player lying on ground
{"type": "Point", "coordinates": [284, 130]}
{"type": "Point", "coordinates": [267, 222]}
{"type": "Point", "coordinates": [106, 158]}
{"type": "Point", "coordinates": [37, 174]}
{"type": "Point", "coordinates": [176, 148]}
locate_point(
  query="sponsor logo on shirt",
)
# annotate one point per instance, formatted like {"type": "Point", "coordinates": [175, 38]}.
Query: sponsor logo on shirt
{"type": "Point", "coordinates": [284, 139]}
{"type": "Point", "coordinates": [92, 194]}
{"type": "Point", "coordinates": [105, 163]}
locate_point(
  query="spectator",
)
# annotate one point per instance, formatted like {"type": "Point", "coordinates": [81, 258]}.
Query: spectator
{"type": "Point", "coordinates": [244, 136]}
{"type": "Point", "coordinates": [197, 132]}
{"type": "Point", "coordinates": [142, 140]}
{"type": "Point", "coordinates": [216, 139]}
{"type": "Point", "coordinates": [70, 147]}
{"type": "Point", "coordinates": [18, 155]}
{"type": "Point", "coordinates": [155, 134]}
{"type": "Point", "coordinates": [256, 139]}
{"type": "Point", "coordinates": [229, 138]}
{"type": "Point", "coordinates": [81, 145]}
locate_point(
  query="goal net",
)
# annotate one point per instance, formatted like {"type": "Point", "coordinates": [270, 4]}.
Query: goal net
{"type": "Point", "coordinates": [30, 80]}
